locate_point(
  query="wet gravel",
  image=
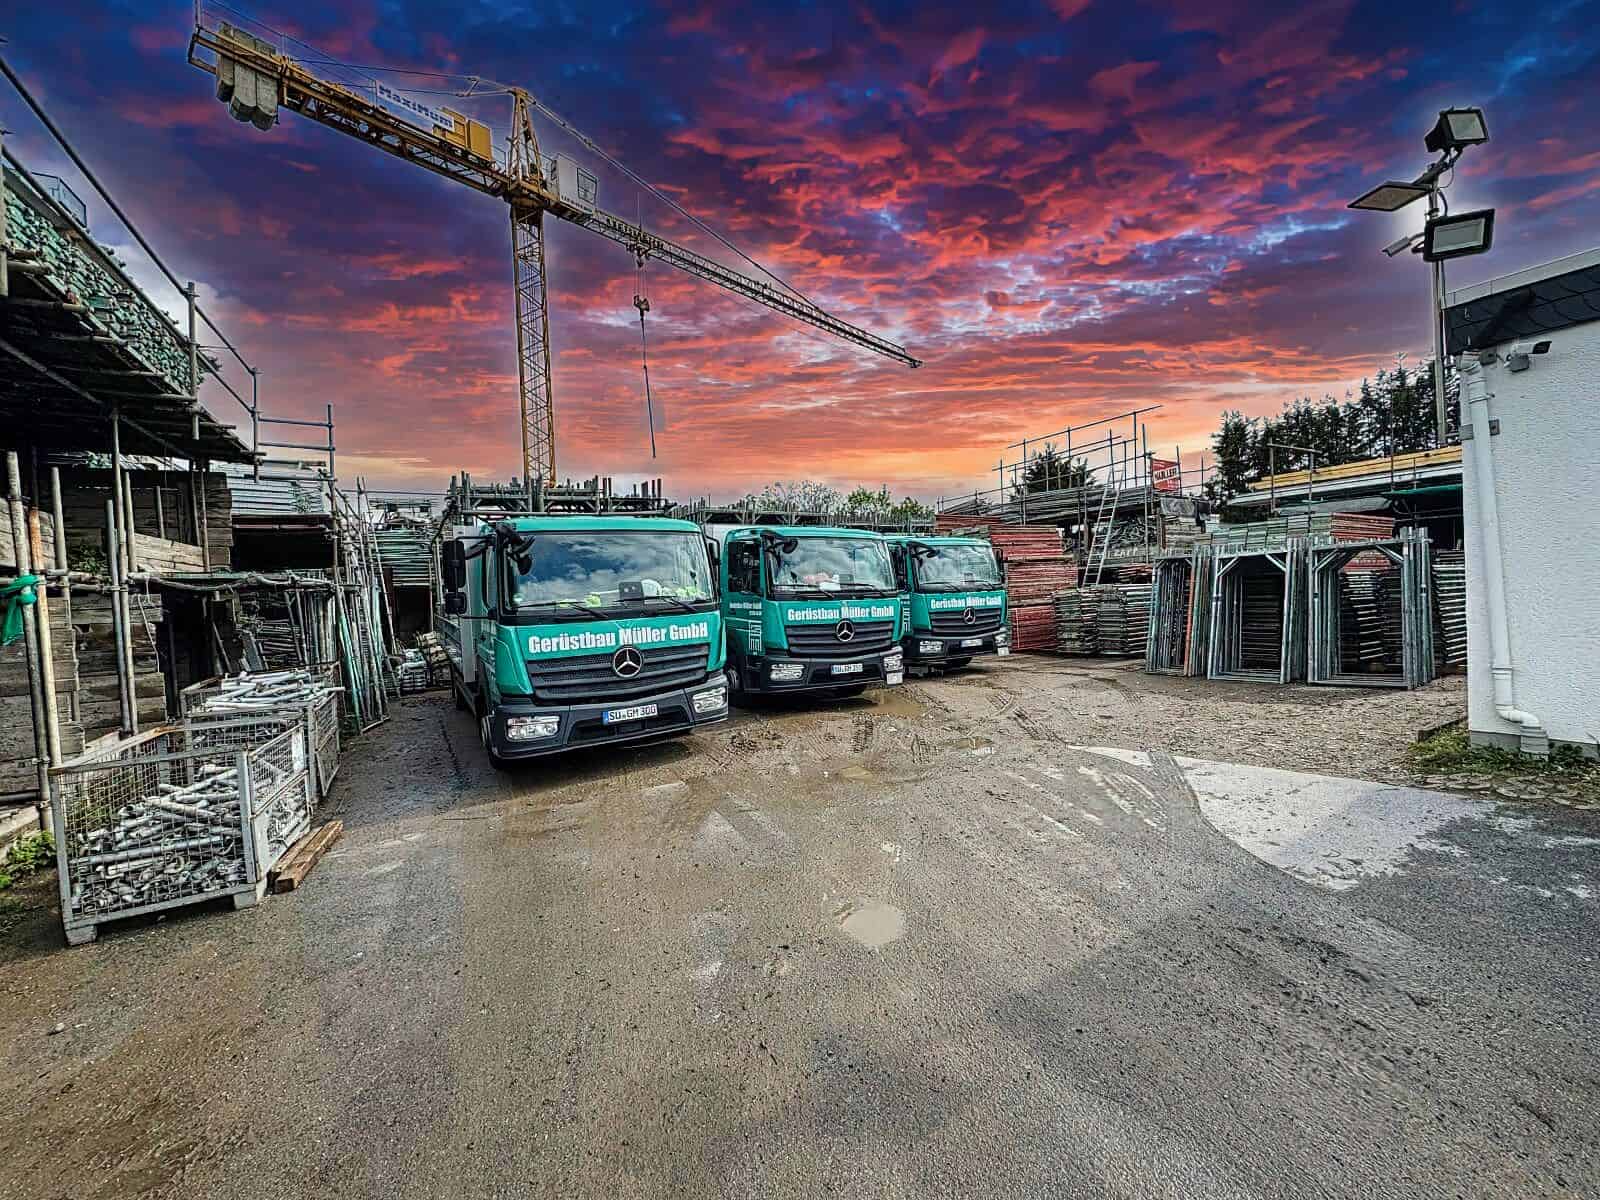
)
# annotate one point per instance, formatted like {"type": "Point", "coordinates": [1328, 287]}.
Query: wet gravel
{"type": "Point", "coordinates": [909, 945]}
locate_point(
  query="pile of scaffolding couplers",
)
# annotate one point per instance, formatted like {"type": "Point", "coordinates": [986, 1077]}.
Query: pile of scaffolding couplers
{"type": "Point", "coordinates": [306, 700]}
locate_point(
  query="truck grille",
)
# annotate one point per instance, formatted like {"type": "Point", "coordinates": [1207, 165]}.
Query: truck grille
{"type": "Point", "coordinates": [589, 679]}
{"type": "Point", "coordinates": [821, 641]}
{"type": "Point", "coordinates": [950, 624]}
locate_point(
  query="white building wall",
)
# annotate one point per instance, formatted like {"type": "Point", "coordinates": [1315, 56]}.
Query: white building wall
{"type": "Point", "coordinates": [1547, 482]}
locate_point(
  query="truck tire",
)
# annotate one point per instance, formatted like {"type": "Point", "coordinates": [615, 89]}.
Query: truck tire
{"type": "Point", "coordinates": [495, 761]}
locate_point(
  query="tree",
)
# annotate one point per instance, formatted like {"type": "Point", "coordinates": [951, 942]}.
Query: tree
{"type": "Point", "coordinates": [1392, 413]}
{"type": "Point", "coordinates": [881, 506]}
{"type": "Point", "coordinates": [794, 495]}
{"type": "Point", "coordinates": [1049, 470]}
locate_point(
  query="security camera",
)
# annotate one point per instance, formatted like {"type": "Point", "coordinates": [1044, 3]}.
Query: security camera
{"type": "Point", "coordinates": [1517, 354]}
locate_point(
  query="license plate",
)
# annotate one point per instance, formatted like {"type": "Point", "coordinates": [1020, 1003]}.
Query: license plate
{"type": "Point", "coordinates": [847, 668]}
{"type": "Point", "coordinates": [616, 716]}
{"type": "Point", "coordinates": [1003, 651]}
{"type": "Point", "coordinates": [971, 642]}
{"type": "Point", "coordinates": [894, 677]}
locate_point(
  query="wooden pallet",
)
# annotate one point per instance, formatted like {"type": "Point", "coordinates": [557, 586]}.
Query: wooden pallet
{"type": "Point", "coordinates": [298, 860]}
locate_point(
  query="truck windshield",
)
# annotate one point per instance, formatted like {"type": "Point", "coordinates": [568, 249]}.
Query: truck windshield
{"type": "Point", "coordinates": [957, 569]}
{"type": "Point", "coordinates": [599, 569]}
{"type": "Point", "coordinates": [835, 566]}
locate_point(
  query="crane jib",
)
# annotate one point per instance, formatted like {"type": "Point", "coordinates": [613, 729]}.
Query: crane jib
{"type": "Point", "coordinates": [522, 183]}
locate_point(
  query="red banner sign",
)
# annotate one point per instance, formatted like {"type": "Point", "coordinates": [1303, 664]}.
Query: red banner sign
{"type": "Point", "coordinates": [1165, 476]}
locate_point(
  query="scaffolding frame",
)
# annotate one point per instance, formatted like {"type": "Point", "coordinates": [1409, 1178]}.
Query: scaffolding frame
{"type": "Point", "coordinates": [1411, 603]}
{"type": "Point", "coordinates": [1236, 633]}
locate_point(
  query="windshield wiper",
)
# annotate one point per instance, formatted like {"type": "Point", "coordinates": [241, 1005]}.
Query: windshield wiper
{"type": "Point", "coordinates": [587, 611]}
{"type": "Point", "coordinates": [685, 605]}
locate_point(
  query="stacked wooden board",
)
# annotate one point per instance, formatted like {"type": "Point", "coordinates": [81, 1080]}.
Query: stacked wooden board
{"type": "Point", "coordinates": [1033, 626]}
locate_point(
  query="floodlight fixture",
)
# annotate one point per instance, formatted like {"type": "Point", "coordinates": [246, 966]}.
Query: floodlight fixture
{"type": "Point", "coordinates": [1456, 129]}
{"type": "Point", "coordinates": [1390, 197]}
{"type": "Point", "coordinates": [1458, 236]}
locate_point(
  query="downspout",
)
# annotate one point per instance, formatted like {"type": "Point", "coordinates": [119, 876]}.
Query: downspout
{"type": "Point", "coordinates": [1475, 407]}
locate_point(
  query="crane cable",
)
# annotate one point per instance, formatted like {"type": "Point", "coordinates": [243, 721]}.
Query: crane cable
{"type": "Point", "coordinates": [642, 303]}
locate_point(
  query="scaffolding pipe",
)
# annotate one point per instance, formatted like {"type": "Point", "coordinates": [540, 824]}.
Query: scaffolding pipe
{"type": "Point", "coordinates": [118, 628]}
{"type": "Point", "coordinates": [19, 546]}
{"type": "Point", "coordinates": [46, 639]}
{"type": "Point", "coordinates": [63, 566]}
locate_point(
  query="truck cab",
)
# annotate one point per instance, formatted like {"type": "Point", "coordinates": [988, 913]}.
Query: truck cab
{"type": "Point", "coordinates": [953, 597]}
{"type": "Point", "coordinates": [809, 609]}
{"type": "Point", "coordinates": [569, 631]}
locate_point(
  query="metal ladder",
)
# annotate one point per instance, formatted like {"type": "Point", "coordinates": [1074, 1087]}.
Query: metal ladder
{"type": "Point", "coordinates": [1104, 518]}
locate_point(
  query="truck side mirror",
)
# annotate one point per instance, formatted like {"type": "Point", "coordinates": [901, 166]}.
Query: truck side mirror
{"type": "Point", "coordinates": [713, 556]}
{"type": "Point", "coordinates": [455, 603]}
{"type": "Point", "coordinates": [453, 566]}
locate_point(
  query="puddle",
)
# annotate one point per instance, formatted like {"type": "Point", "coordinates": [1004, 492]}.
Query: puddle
{"type": "Point", "coordinates": [874, 925]}
{"type": "Point", "coordinates": [857, 772]}
{"type": "Point", "coordinates": [896, 702]}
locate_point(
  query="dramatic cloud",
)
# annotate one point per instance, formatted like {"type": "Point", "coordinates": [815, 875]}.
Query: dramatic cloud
{"type": "Point", "coordinates": [1067, 209]}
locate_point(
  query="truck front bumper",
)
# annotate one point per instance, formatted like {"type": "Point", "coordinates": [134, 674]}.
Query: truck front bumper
{"type": "Point", "coordinates": [579, 725]}
{"type": "Point", "coordinates": [772, 674]}
{"type": "Point", "coordinates": [929, 650]}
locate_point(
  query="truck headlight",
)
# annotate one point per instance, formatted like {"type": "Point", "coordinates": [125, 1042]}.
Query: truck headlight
{"type": "Point", "coordinates": [930, 647]}
{"type": "Point", "coordinates": [781, 672]}
{"type": "Point", "coordinates": [712, 699]}
{"type": "Point", "coordinates": [1002, 636]}
{"type": "Point", "coordinates": [894, 661]}
{"type": "Point", "coordinates": [529, 729]}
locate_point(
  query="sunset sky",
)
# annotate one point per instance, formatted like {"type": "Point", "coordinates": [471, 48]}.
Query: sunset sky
{"type": "Point", "coordinates": [1067, 209]}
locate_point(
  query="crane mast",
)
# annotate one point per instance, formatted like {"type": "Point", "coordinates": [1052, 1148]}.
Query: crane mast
{"type": "Point", "coordinates": [256, 81]}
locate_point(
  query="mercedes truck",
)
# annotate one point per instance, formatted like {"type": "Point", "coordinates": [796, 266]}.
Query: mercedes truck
{"type": "Point", "coordinates": [809, 610]}
{"type": "Point", "coordinates": [570, 631]}
{"type": "Point", "coordinates": [953, 597]}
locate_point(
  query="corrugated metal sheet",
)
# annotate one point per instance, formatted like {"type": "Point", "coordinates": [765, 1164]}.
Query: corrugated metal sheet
{"type": "Point", "coordinates": [275, 494]}
{"type": "Point", "coordinates": [405, 551]}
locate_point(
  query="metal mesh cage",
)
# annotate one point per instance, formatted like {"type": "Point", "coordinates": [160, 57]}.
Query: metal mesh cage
{"type": "Point", "coordinates": [155, 821]}
{"type": "Point", "coordinates": [317, 709]}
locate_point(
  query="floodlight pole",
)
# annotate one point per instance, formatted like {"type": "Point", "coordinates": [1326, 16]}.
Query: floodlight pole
{"type": "Point", "coordinates": [1440, 407]}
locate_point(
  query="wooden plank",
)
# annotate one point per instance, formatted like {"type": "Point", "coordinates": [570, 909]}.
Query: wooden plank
{"type": "Point", "coordinates": [297, 862]}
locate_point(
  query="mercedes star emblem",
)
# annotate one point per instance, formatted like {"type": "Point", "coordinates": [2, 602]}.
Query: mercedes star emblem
{"type": "Point", "coordinates": [627, 662]}
{"type": "Point", "coordinates": [844, 631]}
{"type": "Point", "coordinates": [969, 617]}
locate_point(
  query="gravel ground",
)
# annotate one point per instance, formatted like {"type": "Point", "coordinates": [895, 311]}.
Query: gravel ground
{"type": "Point", "coordinates": [911, 945]}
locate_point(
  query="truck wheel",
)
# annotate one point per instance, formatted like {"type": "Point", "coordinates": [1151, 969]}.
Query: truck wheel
{"type": "Point", "coordinates": [495, 761]}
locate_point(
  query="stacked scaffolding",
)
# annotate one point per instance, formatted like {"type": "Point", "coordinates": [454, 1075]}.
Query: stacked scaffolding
{"type": "Point", "coordinates": [1450, 610]}
{"type": "Point", "coordinates": [1180, 613]}
{"type": "Point", "coordinates": [1371, 615]}
{"type": "Point", "coordinates": [1258, 614]}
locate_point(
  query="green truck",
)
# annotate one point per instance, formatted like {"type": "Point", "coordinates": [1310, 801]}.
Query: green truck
{"type": "Point", "coordinates": [953, 597]}
{"type": "Point", "coordinates": [809, 609]}
{"type": "Point", "coordinates": [569, 631]}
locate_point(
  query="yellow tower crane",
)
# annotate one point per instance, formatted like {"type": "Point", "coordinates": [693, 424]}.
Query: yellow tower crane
{"type": "Point", "coordinates": [256, 78]}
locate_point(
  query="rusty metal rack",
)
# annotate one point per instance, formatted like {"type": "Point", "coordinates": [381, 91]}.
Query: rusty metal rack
{"type": "Point", "coordinates": [175, 816]}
